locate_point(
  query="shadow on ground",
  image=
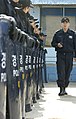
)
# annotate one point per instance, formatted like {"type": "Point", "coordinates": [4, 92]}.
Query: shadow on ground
{"type": "Point", "coordinates": [68, 98]}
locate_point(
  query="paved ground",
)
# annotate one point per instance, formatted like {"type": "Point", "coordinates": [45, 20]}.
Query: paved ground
{"type": "Point", "coordinates": [51, 106]}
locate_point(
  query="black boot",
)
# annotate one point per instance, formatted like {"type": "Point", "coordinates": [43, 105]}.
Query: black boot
{"type": "Point", "coordinates": [42, 85]}
{"type": "Point", "coordinates": [37, 96]}
{"type": "Point", "coordinates": [34, 100]}
{"type": "Point", "coordinates": [61, 91]}
{"type": "Point", "coordinates": [23, 117]}
{"type": "Point", "coordinates": [65, 93]}
{"type": "Point", "coordinates": [28, 108]}
{"type": "Point", "coordinates": [40, 90]}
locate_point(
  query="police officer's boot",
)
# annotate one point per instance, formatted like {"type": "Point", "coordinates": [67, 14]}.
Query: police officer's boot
{"type": "Point", "coordinates": [40, 90]}
{"type": "Point", "coordinates": [37, 96]}
{"type": "Point", "coordinates": [42, 85]}
{"type": "Point", "coordinates": [23, 117]}
{"type": "Point", "coordinates": [34, 100]}
{"type": "Point", "coordinates": [28, 108]}
{"type": "Point", "coordinates": [61, 91]}
{"type": "Point", "coordinates": [46, 81]}
{"type": "Point", "coordinates": [65, 93]}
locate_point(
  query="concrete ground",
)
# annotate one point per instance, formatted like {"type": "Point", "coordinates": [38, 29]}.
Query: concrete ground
{"type": "Point", "coordinates": [52, 106]}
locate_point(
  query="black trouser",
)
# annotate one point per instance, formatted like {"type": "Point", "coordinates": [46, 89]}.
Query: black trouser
{"type": "Point", "coordinates": [64, 67]}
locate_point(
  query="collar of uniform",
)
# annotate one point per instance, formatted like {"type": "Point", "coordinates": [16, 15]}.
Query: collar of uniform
{"type": "Point", "coordinates": [68, 31]}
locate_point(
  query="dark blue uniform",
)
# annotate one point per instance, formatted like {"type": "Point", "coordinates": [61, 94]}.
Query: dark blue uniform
{"type": "Point", "coordinates": [64, 55]}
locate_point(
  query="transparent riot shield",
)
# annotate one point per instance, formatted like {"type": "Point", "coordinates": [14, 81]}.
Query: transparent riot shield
{"type": "Point", "coordinates": [4, 38]}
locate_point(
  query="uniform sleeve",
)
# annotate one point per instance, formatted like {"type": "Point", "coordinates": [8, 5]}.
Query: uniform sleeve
{"type": "Point", "coordinates": [54, 41]}
{"type": "Point", "coordinates": [74, 54]}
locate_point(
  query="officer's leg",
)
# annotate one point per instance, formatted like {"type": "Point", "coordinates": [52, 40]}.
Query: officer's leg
{"type": "Point", "coordinates": [61, 72]}
{"type": "Point", "coordinates": [31, 92]}
{"type": "Point", "coordinates": [40, 79]}
{"type": "Point", "coordinates": [28, 93]}
{"type": "Point", "coordinates": [45, 73]}
{"type": "Point", "coordinates": [42, 82]}
{"type": "Point", "coordinates": [2, 101]}
{"type": "Point", "coordinates": [23, 97]}
{"type": "Point", "coordinates": [15, 108]}
{"type": "Point", "coordinates": [68, 69]}
{"type": "Point", "coordinates": [37, 84]}
{"type": "Point", "coordinates": [34, 88]}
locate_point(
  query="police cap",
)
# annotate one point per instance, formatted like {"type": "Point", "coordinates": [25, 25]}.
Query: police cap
{"type": "Point", "coordinates": [26, 3]}
{"type": "Point", "coordinates": [65, 19]}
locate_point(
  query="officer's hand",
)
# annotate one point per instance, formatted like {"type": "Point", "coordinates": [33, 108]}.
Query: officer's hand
{"type": "Point", "coordinates": [74, 59]}
{"type": "Point", "coordinates": [60, 45]}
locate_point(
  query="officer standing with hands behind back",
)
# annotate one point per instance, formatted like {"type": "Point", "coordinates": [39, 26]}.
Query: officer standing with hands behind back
{"type": "Point", "coordinates": [64, 41]}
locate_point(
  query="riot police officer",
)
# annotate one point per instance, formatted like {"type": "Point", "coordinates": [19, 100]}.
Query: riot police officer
{"type": "Point", "coordinates": [25, 26]}
{"type": "Point", "coordinates": [4, 9]}
{"type": "Point", "coordinates": [64, 41]}
{"type": "Point", "coordinates": [42, 39]}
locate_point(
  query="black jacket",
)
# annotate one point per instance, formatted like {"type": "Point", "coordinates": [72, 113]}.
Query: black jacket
{"type": "Point", "coordinates": [23, 22]}
{"type": "Point", "coordinates": [4, 7]}
{"type": "Point", "coordinates": [68, 40]}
